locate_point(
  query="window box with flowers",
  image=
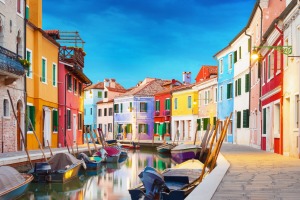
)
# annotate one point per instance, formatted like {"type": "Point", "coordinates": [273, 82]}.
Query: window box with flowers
{"type": "Point", "coordinates": [25, 63]}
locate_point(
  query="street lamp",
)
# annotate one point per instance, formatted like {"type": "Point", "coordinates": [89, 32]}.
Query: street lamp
{"type": "Point", "coordinates": [255, 55]}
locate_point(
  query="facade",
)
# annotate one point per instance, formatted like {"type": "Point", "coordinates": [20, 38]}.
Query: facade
{"type": "Point", "coordinates": [12, 44]}
{"type": "Point", "coordinates": [41, 81]}
{"type": "Point", "coordinates": [241, 45]}
{"type": "Point", "coordinates": [184, 112]}
{"type": "Point", "coordinates": [291, 83]}
{"type": "Point", "coordinates": [134, 111]}
{"type": "Point", "coordinates": [225, 88]}
{"type": "Point", "coordinates": [105, 118]}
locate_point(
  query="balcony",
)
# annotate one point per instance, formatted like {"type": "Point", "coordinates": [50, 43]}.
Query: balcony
{"type": "Point", "coordinates": [157, 113]}
{"type": "Point", "coordinates": [10, 67]}
{"type": "Point", "coordinates": [72, 55]}
{"type": "Point", "coordinates": [166, 112]}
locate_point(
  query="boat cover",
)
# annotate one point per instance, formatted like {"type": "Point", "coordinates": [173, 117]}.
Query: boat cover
{"type": "Point", "coordinates": [61, 160]}
{"type": "Point", "coordinates": [185, 146]}
{"type": "Point", "coordinates": [9, 178]}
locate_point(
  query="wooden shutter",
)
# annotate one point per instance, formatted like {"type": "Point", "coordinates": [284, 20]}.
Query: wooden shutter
{"type": "Point", "coordinates": [54, 74]}
{"type": "Point", "coordinates": [228, 91]}
{"type": "Point", "coordinates": [146, 128]}
{"type": "Point", "coordinates": [239, 86]}
{"type": "Point", "coordinates": [55, 120]}
{"type": "Point", "coordinates": [155, 128]}
{"type": "Point", "coordinates": [205, 123]}
{"type": "Point", "coordinates": [238, 119]}
{"type": "Point", "coordinates": [249, 45]}
{"type": "Point", "coordinates": [247, 83]}
{"type": "Point", "coordinates": [236, 88]}
{"type": "Point", "coordinates": [31, 115]}
{"type": "Point", "coordinates": [121, 108]}
{"type": "Point", "coordinates": [198, 124]}
{"type": "Point", "coordinates": [43, 70]}
{"type": "Point", "coordinates": [145, 107]}
{"type": "Point", "coordinates": [235, 56]}
{"type": "Point", "coordinates": [246, 118]}
{"type": "Point", "coordinates": [28, 57]}
{"type": "Point", "coordinates": [215, 120]}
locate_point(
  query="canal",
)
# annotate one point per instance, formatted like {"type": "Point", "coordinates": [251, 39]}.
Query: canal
{"type": "Point", "coordinates": [111, 182]}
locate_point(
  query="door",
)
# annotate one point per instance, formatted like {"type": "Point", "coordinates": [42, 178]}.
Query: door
{"type": "Point", "coordinates": [74, 128]}
{"type": "Point", "coordinates": [47, 126]}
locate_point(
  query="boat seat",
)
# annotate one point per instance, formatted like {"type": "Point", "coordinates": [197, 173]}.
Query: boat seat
{"type": "Point", "coordinates": [176, 182]}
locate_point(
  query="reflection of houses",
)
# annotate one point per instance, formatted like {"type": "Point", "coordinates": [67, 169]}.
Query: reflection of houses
{"type": "Point", "coordinates": [184, 109]}
{"type": "Point", "coordinates": [133, 111]}
{"type": "Point", "coordinates": [42, 83]}
{"type": "Point", "coordinates": [206, 85]}
{"type": "Point", "coordinates": [12, 75]}
{"type": "Point", "coordinates": [162, 112]}
{"type": "Point", "coordinates": [105, 107]}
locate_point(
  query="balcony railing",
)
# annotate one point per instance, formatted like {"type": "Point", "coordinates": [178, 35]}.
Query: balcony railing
{"type": "Point", "coordinates": [9, 62]}
{"type": "Point", "coordinates": [157, 113]}
{"type": "Point", "coordinates": [72, 55]}
{"type": "Point", "coordinates": [166, 112]}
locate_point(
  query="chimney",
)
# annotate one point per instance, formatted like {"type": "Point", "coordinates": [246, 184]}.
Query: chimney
{"type": "Point", "coordinates": [106, 82]}
{"type": "Point", "coordinates": [186, 78]}
{"type": "Point", "coordinates": [113, 83]}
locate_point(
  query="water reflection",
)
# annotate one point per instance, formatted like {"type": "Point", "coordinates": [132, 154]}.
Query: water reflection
{"type": "Point", "coordinates": [111, 182]}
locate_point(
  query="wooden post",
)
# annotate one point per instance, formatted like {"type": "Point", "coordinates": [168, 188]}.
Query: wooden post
{"type": "Point", "coordinates": [49, 148]}
{"type": "Point", "coordinates": [88, 144]}
{"type": "Point", "coordinates": [71, 146]}
{"type": "Point", "coordinates": [93, 141]}
{"type": "Point", "coordinates": [18, 123]}
{"type": "Point", "coordinates": [97, 135]}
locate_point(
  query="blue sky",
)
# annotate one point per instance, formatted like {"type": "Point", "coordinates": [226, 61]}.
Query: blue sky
{"type": "Point", "coordinates": [130, 40]}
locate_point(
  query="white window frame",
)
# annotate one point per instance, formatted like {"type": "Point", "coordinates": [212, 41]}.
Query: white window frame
{"type": "Point", "coordinates": [221, 91]}
{"type": "Point", "coordinates": [8, 108]}
{"type": "Point", "coordinates": [215, 94]}
{"type": "Point", "coordinates": [21, 14]}
{"type": "Point", "coordinates": [30, 67]}
{"type": "Point", "coordinates": [221, 65]}
{"type": "Point", "coordinates": [230, 61]}
{"type": "Point", "coordinates": [43, 58]}
{"type": "Point", "coordinates": [175, 103]}
{"type": "Point", "coordinates": [55, 75]}
{"type": "Point", "coordinates": [206, 97]}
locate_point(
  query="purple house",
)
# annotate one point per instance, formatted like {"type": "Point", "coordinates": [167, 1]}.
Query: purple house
{"type": "Point", "coordinates": [134, 111]}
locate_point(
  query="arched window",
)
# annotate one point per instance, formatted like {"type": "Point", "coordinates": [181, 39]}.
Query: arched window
{"type": "Point", "coordinates": [5, 108]}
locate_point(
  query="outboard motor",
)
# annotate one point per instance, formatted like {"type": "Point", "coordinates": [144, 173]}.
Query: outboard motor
{"type": "Point", "coordinates": [85, 158]}
{"type": "Point", "coordinates": [153, 182]}
{"type": "Point", "coordinates": [42, 170]}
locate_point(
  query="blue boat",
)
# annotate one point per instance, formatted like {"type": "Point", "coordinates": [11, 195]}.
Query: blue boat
{"type": "Point", "coordinates": [12, 183]}
{"type": "Point", "coordinates": [92, 163]}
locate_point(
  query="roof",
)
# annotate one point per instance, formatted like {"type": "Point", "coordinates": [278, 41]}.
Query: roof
{"type": "Point", "coordinates": [102, 102]}
{"type": "Point", "coordinates": [53, 33]}
{"type": "Point", "coordinates": [202, 74]}
{"type": "Point", "coordinates": [122, 90]}
{"type": "Point", "coordinates": [100, 85]}
{"type": "Point", "coordinates": [183, 87]}
{"type": "Point", "coordinates": [77, 71]}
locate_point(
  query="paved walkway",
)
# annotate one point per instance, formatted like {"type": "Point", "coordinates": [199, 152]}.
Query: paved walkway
{"type": "Point", "coordinates": [255, 174]}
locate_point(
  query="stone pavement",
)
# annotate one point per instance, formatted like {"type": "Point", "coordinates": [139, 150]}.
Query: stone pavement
{"type": "Point", "coordinates": [258, 175]}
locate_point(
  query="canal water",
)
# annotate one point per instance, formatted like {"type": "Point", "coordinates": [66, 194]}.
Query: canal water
{"type": "Point", "coordinates": [111, 182]}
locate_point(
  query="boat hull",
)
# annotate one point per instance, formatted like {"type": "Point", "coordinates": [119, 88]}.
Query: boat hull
{"type": "Point", "coordinates": [181, 155]}
{"type": "Point", "coordinates": [165, 148]}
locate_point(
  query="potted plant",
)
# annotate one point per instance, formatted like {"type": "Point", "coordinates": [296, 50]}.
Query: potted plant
{"type": "Point", "coordinates": [25, 63]}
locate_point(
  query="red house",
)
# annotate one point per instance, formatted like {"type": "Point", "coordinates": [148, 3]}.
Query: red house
{"type": "Point", "coordinates": [206, 72]}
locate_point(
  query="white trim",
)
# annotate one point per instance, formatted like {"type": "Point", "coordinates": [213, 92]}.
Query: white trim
{"type": "Point", "coordinates": [230, 61]}
{"type": "Point", "coordinates": [221, 61]}
{"type": "Point", "coordinates": [271, 93]}
{"type": "Point", "coordinates": [66, 64]}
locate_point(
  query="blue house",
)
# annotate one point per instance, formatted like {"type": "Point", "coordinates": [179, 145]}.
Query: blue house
{"type": "Point", "coordinates": [134, 111]}
{"type": "Point", "coordinates": [225, 59]}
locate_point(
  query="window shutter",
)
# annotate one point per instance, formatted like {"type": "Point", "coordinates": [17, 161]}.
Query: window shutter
{"type": "Point", "coordinates": [146, 128]}
{"type": "Point", "coordinates": [53, 75]}
{"type": "Point", "coordinates": [164, 128]}
{"type": "Point", "coordinates": [238, 119]}
{"type": "Point", "coordinates": [215, 120]}
{"type": "Point", "coordinates": [246, 118]}
{"type": "Point", "coordinates": [235, 57]}
{"type": "Point", "coordinates": [155, 128]}
{"type": "Point", "coordinates": [115, 108]}
{"type": "Point", "coordinates": [205, 123]}
{"type": "Point", "coordinates": [32, 115]}
{"type": "Point", "coordinates": [55, 120]}
{"type": "Point", "coordinates": [139, 128]}
{"type": "Point", "coordinates": [145, 107]}
{"type": "Point", "coordinates": [121, 108]}
{"type": "Point", "coordinates": [27, 13]}
{"type": "Point", "coordinates": [228, 91]}
{"type": "Point", "coordinates": [239, 86]}
{"type": "Point", "coordinates": [247, 83]}
{"type": "Point", "coordinates": [198, 124]}
{"type": "Point", "coordinates": [249, 45]}
{"type": "Point", "coordinates": [235, 88]}
{"type": "Point", "coordinates": [43, 70]}
{"type": "Point", "coordinates": [240, 52]}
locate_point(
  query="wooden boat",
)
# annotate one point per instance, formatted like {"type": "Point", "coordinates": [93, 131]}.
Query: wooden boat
{"type": "Point", "coordinates": [184, 152]}
{"type": "Point", "coordinates": [12, 183]}
{"type": "Point", "coordinates": [112, 154]}
{"type": "Point", "coordinates": [92, 163]}
{"type": "Point", "coordinates": [62, 167]}
{"type": "Point", "coordinates": [165, 148]}
{"type": "Point", "coordinates": [131, 145]}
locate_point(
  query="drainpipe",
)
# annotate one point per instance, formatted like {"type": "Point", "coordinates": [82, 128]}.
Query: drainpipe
{"type": "Point", "coordinates": [25, 80]}
{"type": "Point", "coordinates": [259, 71]}
{"type": "Point", "coordinates": [249, 75]}
{"type": "Point", "coordinates": [65, 131]}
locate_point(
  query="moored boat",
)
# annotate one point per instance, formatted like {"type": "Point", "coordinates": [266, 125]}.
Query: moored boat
{"type": "Point", "coordinates": [12, 183]}
{"type": "Point", "coordinates": [92, 163]}
{"type": "Point", "coordinates": [165, 148]}
{"type": "Point", "coordinates": [184, 152]}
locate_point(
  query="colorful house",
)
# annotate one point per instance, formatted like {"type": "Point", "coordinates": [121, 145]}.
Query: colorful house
{"type": "Point", "coordinates": [12, 47]}
{"type": "Point", "coordinates": [162, 114]}
{"type": "Point", "coordinates": [134, 110]}
{"type": "Point", "coordinates": [291, 83]}
{"type": "Point", "coordinates": [105, 118]}
{"type": "Point", "coordinates": [225, 87]}
{"type": "Point", "coordinates": [41, 81]}
{"type": "Point", "coordinates": [207, 88]}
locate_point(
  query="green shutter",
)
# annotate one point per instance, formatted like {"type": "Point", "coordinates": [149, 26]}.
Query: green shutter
{"type": "Point", "coordinates": [235, 88]}
{"type": "Point", "coordinates": [54, 74]}
{"type": "Point", "coordinates": [31, 113]}
{"type": "Point", "coordinates": [121, 108]}
{"type": "Point", "coordinates": [28, 58]}
{"type": "Point", "coordinates": [43, 70]}
{"type": "Point", "coordinates": [139, 128]}
{"type": "Point", "coordinates": [215, 120]}
{"type": "Point", "coordinates": [205, 123]}
{"type": "Point", "coordinates": [146, 128]}
{"type": "Point", "coordinates": [240, 52]}
{"type": "Point", "coordinates": [55, 120]}
{"type": "Point", "coordinates": [130, 105]}
{"type": "Point", "coordinates": [160, 129]}
{"type": "Point", "coordinates": [169, 104]}
{"type": "Point", "coordinates": [235, 56]}
{"type": "Point", "coordinates": [145, 107]}
{"type": "Point", "coordinates": [239, 86]}
{"type": "Point", "coordinates": [228, 91]}
{"type": "Point", "coordinates": [198, 124]}
{"type": "Point", "coordinates": [246, 118]}
{"type": "Point", "coordinates": [155, 128]}
{"type": "Point", "coordinates": [238, 119]}
{"type": "Point", "coordinates": [247, 83]}
{"type": "Point", "coordinates": [99, 94]}
{"type": "Point", "coordinates": [27, 13]}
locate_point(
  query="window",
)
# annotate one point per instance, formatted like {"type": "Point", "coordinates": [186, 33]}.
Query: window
{"type": "Point", "coordinates": [167, 104]}
{"type": "Point", "coordinates": [157, 105]}
{"type": "Point", "coordinates": [167, 127]}
{"type": "Point", "coordinates": [105, 94]}
{"type": "Point", "coordinates": [205, 123]}
{"type": "Point", "coordinates": [105, 111]}
{"type": "Point", "coordinates": [110, 111]}
{"type": "Point", "coordinates": [297, 111]}
{"type": "Point", "coordinates": [109, 127]}
{"type": "Point", "coordinates": [230, 61]}
{"type": "Point", "coordinates": [54, 74]}
{"type": "Point", "coordinates": [29, 58]}
{"type": "Point", "coordinates": [100, 126]}
{"type": "Point", "coordinates": [79, 88]}
{"type": "Point", "coordinates": [278, 63]}
{"type": "Point", "coordinates": [221, 65]}
{"type": "Point", "coordinates": [143, 128]}
{"type": "Point", "coordinates": [238, 119]}
{"type": "Point", "coordinates": [198, 124]}
{"type": "Point", "coordinates": [130, 106]}
{"type": "Point", "coordinates": [229, 91]}
{"type": "Point", "coordinates": [121, 107]}
{"type": "Point", "coordinates": [156, 127]}
{"type": "Point", "coordinates": [79, 121]}
{"type": "Point", "coordinates": [54, 120]}
{"type": "Point", "coordinates": [221, 93]}
{"type": "Point", "coordinates": [5, 108]}
{"type": "Point", "coordinates": [19, 6]}
{"type": "Point", "coordinates": [246, 118]}
{"type": "Point", "coordinates": [69, 82]}
{"type": "Point", "coordinates": [249, 45]}
{"type": "Point", "coordinates": [75, 86]}
{"type": "Point", "coordinates": [240, 52]}
{"type": "Point", "coordinates": [207, 97]}
{"type": "Point", "coordinates": [116, 108]}
{"type": "Point", "coordinates": [235, 57]}
{"type": "Point", "coordinates": [189, 102]}
{"type": "Point", "coordinates": [216, 94]}
{"type": "Point", "coordinates": [91, 111]}
{"type": "Point", "coordinates": [44, 70]}
{"type": "Point", "coordinates": [129, 128]}
{"type": "Point", "coordinates": [271, 65]}
{"type": "Point", "coordinates": [264, 73]}
{"type": "Point", "coordinates": [238, 87]}
{"type": "Point", "coordinates": [99, 112]}
{"type": "Point", "coordinates": [175, 104]}
{"type": "Point", "coordinates": [31, 117]}
{"type": "Point", "coordinates": [120, 128]}
{"type": "Point", "coordinates": [99, 94]}
{"type": "Point", "coordinates": [68, 119]}
{"type": "Point", "coordinates": [143, 107]}
{"type": "Point", "coordinates": [247, 82]}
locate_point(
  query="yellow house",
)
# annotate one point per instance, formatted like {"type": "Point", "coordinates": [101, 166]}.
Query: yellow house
{"type": "Point", "coordinates": [41, 81]}
{"type": "Point", "coordinates": [184, 112]}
